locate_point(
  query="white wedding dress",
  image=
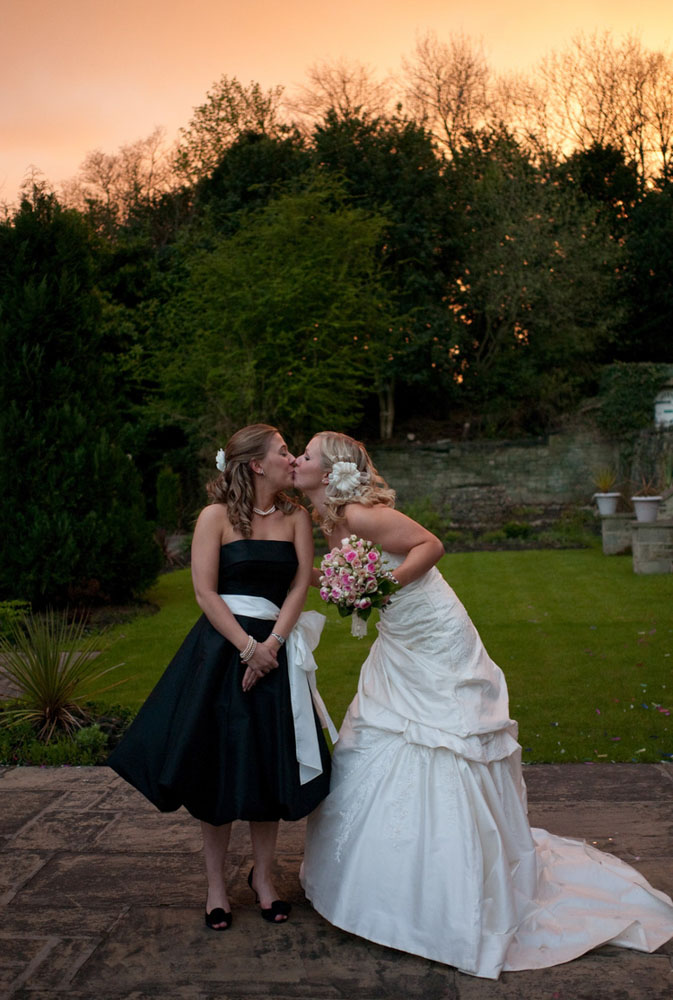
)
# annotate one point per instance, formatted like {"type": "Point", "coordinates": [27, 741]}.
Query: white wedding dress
{"type": "Point", "coordinates": [423, 843]}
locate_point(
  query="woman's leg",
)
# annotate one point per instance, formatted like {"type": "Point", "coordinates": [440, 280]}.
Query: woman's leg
{"type": "Point", "coordinates": [215, 846]}
{"type": "Point", "coordinates": [263, 837]}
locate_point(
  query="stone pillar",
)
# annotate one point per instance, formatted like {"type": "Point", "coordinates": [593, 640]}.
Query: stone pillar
{"type": "Point", "coordinates": [616, 533]}
{"type": "Point", "coordinates": [652, 546]}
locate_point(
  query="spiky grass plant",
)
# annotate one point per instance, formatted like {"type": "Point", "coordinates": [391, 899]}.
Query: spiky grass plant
{"type": "Point", "coordinates": [604, 478]}
{"type": "Point", "coordinates": [53, 665]}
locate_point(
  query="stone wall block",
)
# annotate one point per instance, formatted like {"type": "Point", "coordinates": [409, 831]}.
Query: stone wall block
{"type": "Point", "coordinates": [652, 547]}
{"type": "Point", "coordinates": [616, 532]}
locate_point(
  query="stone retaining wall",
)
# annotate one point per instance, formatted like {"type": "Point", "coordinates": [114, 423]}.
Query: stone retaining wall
{"type": "Point", "coordinates": [484, 481]}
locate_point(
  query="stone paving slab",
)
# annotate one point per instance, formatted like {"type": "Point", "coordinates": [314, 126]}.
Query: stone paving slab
{"type": "Point", "coordinates": [102, 897]}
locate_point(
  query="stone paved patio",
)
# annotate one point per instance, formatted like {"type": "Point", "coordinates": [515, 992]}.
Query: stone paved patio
{"type": "Point", "coordinates": [102, 897]}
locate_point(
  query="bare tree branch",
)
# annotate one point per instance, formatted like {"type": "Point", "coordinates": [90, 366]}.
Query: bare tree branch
{"type": "Point", "coordinates": [345, 86]}
{"type": "Point", "coordinates": [447, 87]}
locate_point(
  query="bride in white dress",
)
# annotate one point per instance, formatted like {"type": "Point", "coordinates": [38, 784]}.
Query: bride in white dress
{"type": "Point", "coordinates": [423, 843]}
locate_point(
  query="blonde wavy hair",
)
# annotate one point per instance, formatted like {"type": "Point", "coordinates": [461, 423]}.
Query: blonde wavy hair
{"type": "Point", "coordinates": [335, 447]}
{"type": "Point", "coordinates": [235, 487]}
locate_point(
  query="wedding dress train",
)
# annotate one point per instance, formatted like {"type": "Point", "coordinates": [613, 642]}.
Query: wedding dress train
{"type": "Point", "coordinates": [423, 843]}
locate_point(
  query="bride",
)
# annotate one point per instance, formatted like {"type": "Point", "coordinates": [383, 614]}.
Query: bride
{"type": "Point", "coordinates": [423, 843]}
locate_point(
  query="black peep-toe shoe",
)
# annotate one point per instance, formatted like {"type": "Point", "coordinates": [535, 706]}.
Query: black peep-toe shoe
{"type": "Point", "coordinates": [218, 916]}
{"type": "Point", "coordinates": [279, 908]}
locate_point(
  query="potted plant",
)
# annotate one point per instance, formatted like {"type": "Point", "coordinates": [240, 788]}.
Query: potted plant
{"type": "Point", "coordinates": [604, 479]}
{"type": "Point", "coordinates": [646, 500]}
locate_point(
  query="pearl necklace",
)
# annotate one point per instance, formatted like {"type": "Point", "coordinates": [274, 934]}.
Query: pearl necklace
{"type": "Point", "coordinates": [264, 513]}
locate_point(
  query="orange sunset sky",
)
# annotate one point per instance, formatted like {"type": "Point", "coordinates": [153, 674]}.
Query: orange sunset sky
{"type": "Point", "coordinates": [77, 75]}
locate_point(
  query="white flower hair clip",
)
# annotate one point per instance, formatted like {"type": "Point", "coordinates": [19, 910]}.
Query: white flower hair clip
{"type": "Point", "coordinates": [346, 479]}
{"type": "Point", "coordinates": [221, 460]}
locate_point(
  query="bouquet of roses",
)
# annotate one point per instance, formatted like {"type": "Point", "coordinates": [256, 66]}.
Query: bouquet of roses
{"type": "Point", "coordinates": [352, 576]}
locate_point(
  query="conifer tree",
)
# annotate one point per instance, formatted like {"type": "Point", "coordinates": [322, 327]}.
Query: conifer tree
{"type": "Point", "coordinates": [71, 507]}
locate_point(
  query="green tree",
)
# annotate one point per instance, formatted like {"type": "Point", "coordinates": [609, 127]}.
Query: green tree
{"type": "Point", "coordinates": [389, 166]}
{"type": "Point", "coordinates": [647, 333]}
{"type": "Point", "coordinates": [604, 176]}
{"type": "Point", "coordinates": [71, 505]}
{"type": "Point", "coordinates": [230, 109]}
{"type": "Point", "coordinates": [272, 322]}
{"type": "Point", "coordinates": [251, 171]}
{"type": "Point", "coordinates": [534, 302]}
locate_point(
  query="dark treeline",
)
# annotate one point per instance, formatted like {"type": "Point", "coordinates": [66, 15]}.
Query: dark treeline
{"type": "Point", "coordinates": [353, 267]}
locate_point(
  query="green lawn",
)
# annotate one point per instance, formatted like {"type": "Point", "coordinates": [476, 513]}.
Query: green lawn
{"type": "Point", "coordinates": [586, 645]}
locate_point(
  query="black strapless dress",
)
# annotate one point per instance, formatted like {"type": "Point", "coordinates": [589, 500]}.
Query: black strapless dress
{"type": "Point", "coordinates": [199, 741]}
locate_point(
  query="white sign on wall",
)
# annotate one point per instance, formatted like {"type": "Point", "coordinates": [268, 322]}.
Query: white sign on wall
{"type": "Point", "coordinates": [663, 408]}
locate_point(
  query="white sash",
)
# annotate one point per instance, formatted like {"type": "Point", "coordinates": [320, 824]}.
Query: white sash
{"type": "Point", "coordinates": [300, 644]}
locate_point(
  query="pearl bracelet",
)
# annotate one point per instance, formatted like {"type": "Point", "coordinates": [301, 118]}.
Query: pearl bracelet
{"type": "Point", "coordinates": [249, 650]}
{"type": "Point", "coordinates": [280, 639]}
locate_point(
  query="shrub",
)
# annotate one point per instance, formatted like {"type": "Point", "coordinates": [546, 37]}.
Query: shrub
{"type": "Point", "coordinates": [89, 745]}
{"type": "Point", "coordinates": [71, 506]}
{"type": "Point", "coordinates": [517, 529]}
{"type": "Point", "coordinates": [20, 745]}
{"type": "Point", "coordinates": [627, 393]}
{"type": "Point", "coordinates": [12, 613]}
{"type": "Point", "coordinates": [494, 537]}
{"type": "Point", "coordinates": [455, 537]}
{"type": "Point", "coordinates": [52, 663]}
{"type": "Point", "coordinates": [169, 499]}
{"type": "Point", "coordinates": [575, 528]}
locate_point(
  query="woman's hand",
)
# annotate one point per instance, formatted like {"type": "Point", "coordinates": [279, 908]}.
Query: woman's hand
{"type": "Point", "coordinates": [264, 659]}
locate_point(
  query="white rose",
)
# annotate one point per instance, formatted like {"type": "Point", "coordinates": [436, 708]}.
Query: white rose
{"type": "Point", "coordinates": [221, 460]}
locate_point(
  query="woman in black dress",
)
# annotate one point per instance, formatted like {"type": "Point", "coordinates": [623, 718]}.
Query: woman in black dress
{"type": "Point", "coordinates": [230, 731]}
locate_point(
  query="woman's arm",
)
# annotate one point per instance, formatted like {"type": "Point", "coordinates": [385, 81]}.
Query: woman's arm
{"type": "Point", "coordinates": [212, 523]}
{"type": "Point", "coordinates": [396, 533]}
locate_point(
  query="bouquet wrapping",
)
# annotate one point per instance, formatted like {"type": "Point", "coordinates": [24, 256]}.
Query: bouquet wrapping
{"type": "Point", "coordinates": [353, 577]}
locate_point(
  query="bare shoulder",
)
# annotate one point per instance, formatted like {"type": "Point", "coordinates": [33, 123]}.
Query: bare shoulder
{"type": "Point", "coordinates": [361, 518]}
{"type": "Point", "coordinates": [300, 515]}
{"type": "Point", "coordinates": [300, 521]}
{"type": "Point", "coordinates": [212, 518]}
